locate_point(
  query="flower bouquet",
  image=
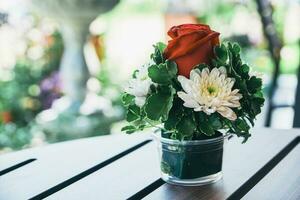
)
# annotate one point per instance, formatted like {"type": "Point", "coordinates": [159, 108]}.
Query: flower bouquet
{"type": "Point", "coordinates": [195, 91]}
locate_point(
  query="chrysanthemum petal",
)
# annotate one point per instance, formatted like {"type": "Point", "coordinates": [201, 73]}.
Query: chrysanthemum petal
{"type": "Point", "coordinates": [227, 113]}
{"type": "Point", "coordinates": [222, 70]}
{"type": "Point", "coordinates": [185, 84]}
{"type": "Point", "coordinates": [210, 91]}
{"type": "Point", "coordinates": [188, 100]}
{"type": "Point", "coordinates": [194, 75]}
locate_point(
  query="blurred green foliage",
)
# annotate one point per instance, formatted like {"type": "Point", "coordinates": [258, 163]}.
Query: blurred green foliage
{"type": "Point", "coordinates": [20, 99]}
{"type": "Point", "coordinates": [222, 15]}
{"type": "Point", "coordinates": [20, 96]}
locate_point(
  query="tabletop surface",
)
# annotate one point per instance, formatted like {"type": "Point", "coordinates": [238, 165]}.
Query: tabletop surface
{"type": "Point", "coordinates": [127, 167]}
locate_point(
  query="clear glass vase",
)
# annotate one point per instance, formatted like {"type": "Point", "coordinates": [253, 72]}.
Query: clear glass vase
{"type": "Point", "coordinates": [190, 163]}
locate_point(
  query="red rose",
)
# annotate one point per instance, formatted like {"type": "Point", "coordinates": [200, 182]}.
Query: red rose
{"type": "Point", "coordinates": [191, 44]}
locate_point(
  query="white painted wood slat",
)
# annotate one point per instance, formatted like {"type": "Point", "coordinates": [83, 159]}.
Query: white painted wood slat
{"type": "Point", "coordinates": [59, 162]}
{"type": "Point", "coordinates": [133, 172]}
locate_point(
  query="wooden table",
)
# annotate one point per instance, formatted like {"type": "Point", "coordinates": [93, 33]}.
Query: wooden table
{"type": "Point", "coordinates": [126, 166]}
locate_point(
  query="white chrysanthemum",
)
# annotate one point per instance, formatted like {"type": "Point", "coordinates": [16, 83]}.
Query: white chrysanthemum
{"type": "Point", "coordinates": [140, 85]}
{"type": "Point", "coordinates": [210, 91]}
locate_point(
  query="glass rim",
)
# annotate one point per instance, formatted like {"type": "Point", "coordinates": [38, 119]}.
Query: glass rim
{"type": "Point", "coordinates": [158, 137]}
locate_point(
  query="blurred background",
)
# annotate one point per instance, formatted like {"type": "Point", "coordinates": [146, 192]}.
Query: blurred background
{"type": "Point", "coordinates": [63, 63]}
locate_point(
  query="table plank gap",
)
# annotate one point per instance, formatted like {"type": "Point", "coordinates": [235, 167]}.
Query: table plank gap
{"type": "Point", "coordinates": [134, 172]}
{"type": "Point", "coordinates": [87, 172]}
{"type": "Point", "coordinates": [16, 166]}
{"type": "Point", "coordinates": [147, 190]}
{"type": "Point", "coordinates": [119, 180]}
{"type": "Point", "coordinates": [260, 174]}
{"type": "Point", "coordinates": [282, 183]}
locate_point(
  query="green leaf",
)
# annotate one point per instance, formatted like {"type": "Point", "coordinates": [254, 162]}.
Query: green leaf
{"type": "Point", "coordinates": [133, 113]}
{"type": "Point", "coordinates": [171, 122]}
{"type": "Point", "coordinates": [159, 104]}
{"type": "Point", "coordinates": [134, 73]}
{"type": "Point", "coordinates": [202, 117]}
{"type": "Point", "coordinates": [254, 84]}
{"type": "Point", "coordinates": [251, 121]}
{"type": "Point", "coordinates": [204, 125]}
{"type": "Point", "coordinates": [186, 126]}
{"type": "Point", "coordinates": [215, 63]}
{"type": "Point", "coordinates": [207, 129]}
{"type": "Point", "coordinates": [241, 84]}
{"type": "Point", "coordinates": [255, 109]}
{"type": "Point", "coordinates": [172, 68]}
{"type": "Point", "coordinates": [215, 122]}
{"type": "Point", "coordinates": [175, 115]}
{"type": "Point", "coordinates": [129, 129]}
{"type": "Point", "coordinates": [159, 74]}
{"type": "Point", "coordinates": [127, 99]}
{"type": "Point", "coordinates": [163, 73]}
{"type": "Point", "coordinates": [256, 104]}
{"type": "Point", "coordinates": [236, 49]}
{"type": "Point", "coordinates": [221, 53]}
{"type": "Point", "coordinates": [160, 46]}
{"type": "Point", "coordinates": [243, 70]}
{"type": "Point", "coordinates": [242, 125]}
{"type": "Point", "coordinates": [141, 126]}
{"type": "Point", "coordinates": [158, 56]}
{"type": "Point", "coordinates": [259, 101]}
{"type": "Point", "coordinates": [259, 94]}
{"type": "Point", "coordinates": [246, 137]}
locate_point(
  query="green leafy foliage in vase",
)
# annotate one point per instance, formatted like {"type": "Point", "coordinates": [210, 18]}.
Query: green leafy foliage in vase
{"type": "Point", "coordinates": [163, 106]}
